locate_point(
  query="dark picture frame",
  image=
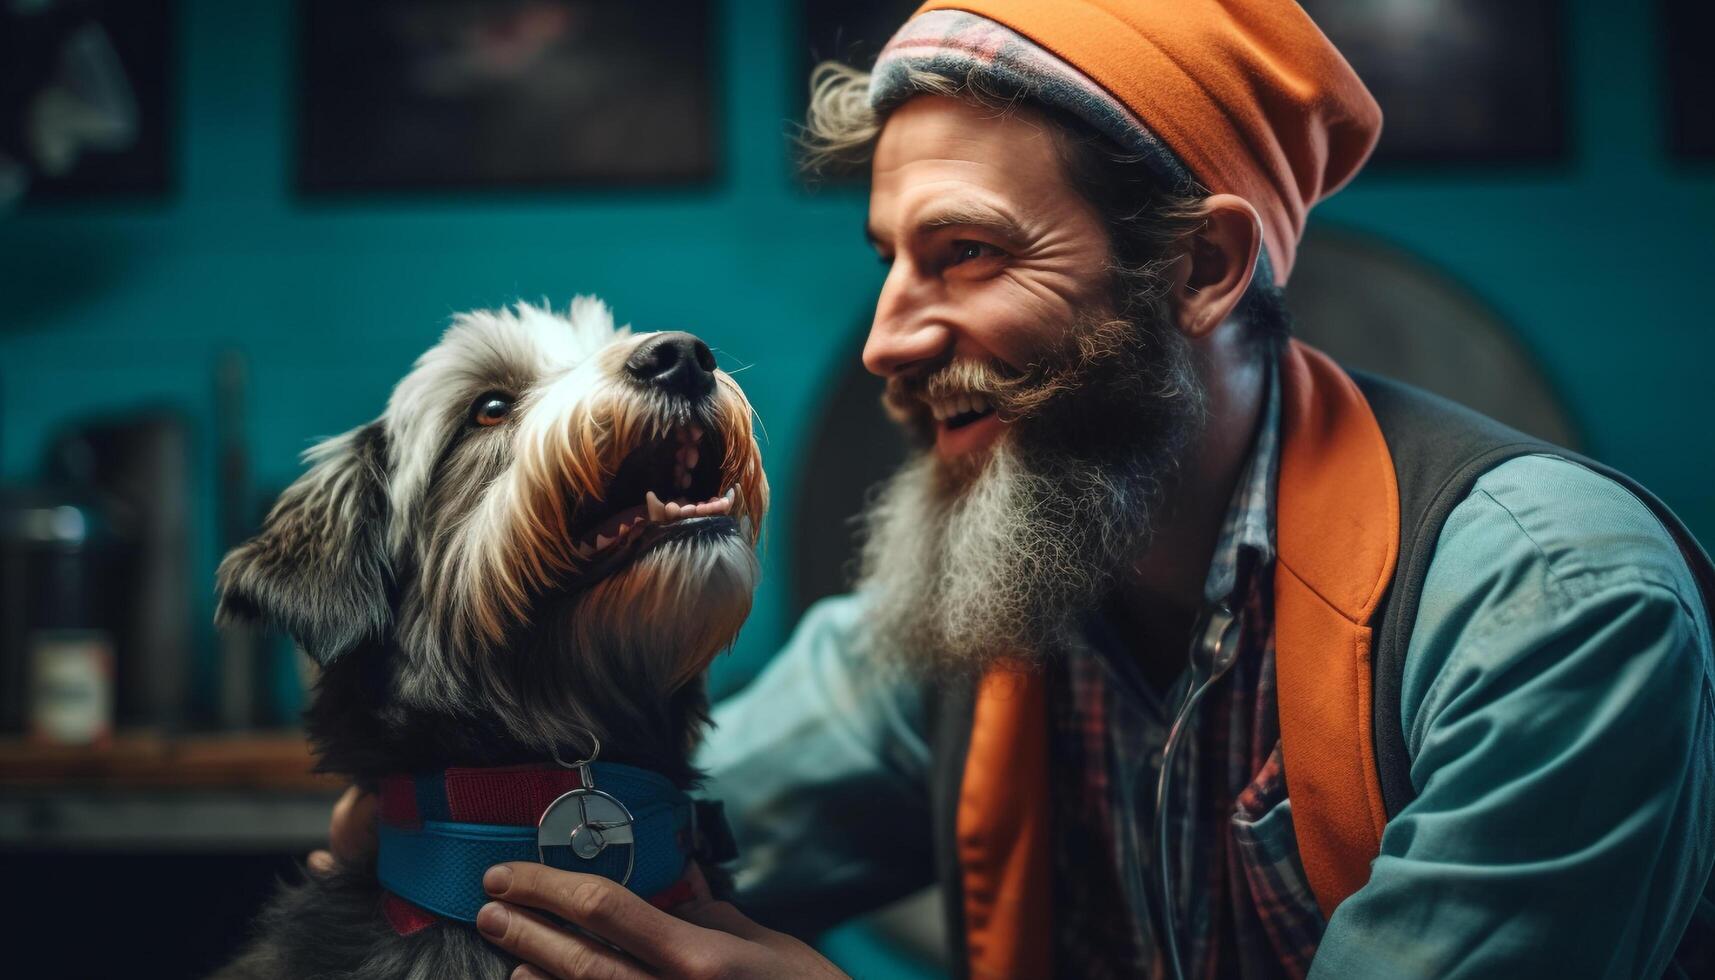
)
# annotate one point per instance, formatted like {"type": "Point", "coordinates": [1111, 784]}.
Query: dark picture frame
{"type": "Point", "coordinates": [1686, 26]}
{"type": "Point", "coordinates": [1460, 82]}
{"type": "Point", "coordinates": [851, 31]}
{"type": "Point", "coordinates": [427, 95]}
{"type": "Point", "coordinates": [129, 45]}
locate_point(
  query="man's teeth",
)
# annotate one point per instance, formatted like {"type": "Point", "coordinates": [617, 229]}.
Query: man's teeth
{"type": "Point", "coordinates": [658, 512]}
{"type": "Point", "coordinates": [952, 406]}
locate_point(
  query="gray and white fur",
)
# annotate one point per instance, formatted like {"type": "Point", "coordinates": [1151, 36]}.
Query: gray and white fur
{"type": "Point", "coordinates": [445, 565]}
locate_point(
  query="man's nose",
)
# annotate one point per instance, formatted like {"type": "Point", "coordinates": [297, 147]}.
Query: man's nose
{"type": "Point", "coordinates": [676, 362]}
{"type": "Point", "coordinates": [906, 330]}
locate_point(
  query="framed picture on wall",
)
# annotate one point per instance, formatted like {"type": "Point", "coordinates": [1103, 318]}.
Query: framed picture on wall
{"type": "Point", "coordinates": [1686, 27]}
{"type": "Point", "coordinates": [852, 31]}
{"type": "Point", "coordinates": [86, 99]}
{"type": "Point", "coordinates": [1459, 81]}
{"type": "Point", "coordinates": [458, 94]}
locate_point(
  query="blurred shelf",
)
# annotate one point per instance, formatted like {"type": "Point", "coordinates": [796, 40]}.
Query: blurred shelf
{"type": "Point", "coordinates": [259, 761]}
{"type": "Point", "coordinates": [138, 821]}
{"type": "Point", "coordinates": [149, 793]}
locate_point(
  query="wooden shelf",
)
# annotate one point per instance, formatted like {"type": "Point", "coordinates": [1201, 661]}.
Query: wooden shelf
{"type": "Point", "coordinates": [248, 761]}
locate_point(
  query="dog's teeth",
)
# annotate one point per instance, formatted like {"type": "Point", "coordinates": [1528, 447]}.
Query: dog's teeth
{"type": "Point", "coordinates": [602, 541]}
{"type": "Point", "coordinates": [657, 510]}
{"type": "Point", "coordinates": [623, 528]}
{"type": "Point", "coordinates": [581, 550]}
{"type": "Point", "coordinates": [730, 495]}
{"type": "Point", "coordinates": [720, 506]}
{"type": "Point", "coordinates": [670, 512]}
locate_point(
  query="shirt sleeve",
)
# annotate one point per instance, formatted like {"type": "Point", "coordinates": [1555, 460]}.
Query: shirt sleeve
{"type": "Point", "coordinates": [822, 765]}
{"type": "Point", "coordinates": [1558, 708]}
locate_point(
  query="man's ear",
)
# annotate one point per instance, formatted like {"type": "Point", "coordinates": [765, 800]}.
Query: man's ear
{"type": "Point", "coordinates": [318, 569]}
{"type": "Point", "coordinates": [1217, 268]}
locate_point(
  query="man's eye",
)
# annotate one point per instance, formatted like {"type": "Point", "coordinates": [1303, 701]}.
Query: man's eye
{"type": "Point", "coordinates": [967, 251]}
{"type": "Point", "coordinates": [490, 409]}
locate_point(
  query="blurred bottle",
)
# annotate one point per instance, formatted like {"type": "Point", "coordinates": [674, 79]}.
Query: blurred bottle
{"type": "Point", "coordinates": [136, 467]}
{"type": "Point", "coordinates": [57, 652]}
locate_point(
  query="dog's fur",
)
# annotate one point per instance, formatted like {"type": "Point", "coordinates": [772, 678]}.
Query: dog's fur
{"type": "Point", "coordinates": [432, 566]}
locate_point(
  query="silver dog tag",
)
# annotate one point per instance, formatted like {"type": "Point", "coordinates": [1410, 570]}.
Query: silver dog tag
{"type": "Point", "coordinates": [588, 822]}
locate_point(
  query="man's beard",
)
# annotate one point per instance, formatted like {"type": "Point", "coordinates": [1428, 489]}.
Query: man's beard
{"type": "Point", "coordinates": [1004, 556]}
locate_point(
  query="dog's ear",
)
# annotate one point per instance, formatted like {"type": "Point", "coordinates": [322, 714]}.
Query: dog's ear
{"type": "Point", "coordinates": [318, 569]}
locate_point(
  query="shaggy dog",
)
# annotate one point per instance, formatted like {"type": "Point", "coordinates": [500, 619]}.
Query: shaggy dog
{"type": "Point", "coordinates": [541, 542]}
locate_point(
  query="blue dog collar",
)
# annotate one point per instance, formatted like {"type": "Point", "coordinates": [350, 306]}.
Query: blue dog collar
{"type": "Point", "coordinates": [632, 826]}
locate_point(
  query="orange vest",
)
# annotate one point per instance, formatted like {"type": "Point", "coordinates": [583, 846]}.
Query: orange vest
{"type": "Point", "coordinates": [1337, 484]}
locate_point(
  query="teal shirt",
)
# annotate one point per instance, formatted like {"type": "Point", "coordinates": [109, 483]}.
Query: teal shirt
{"type": "Point", "coordinates": [1560, 715]}
{"type": "Point", "coordinates": [1558, 705]}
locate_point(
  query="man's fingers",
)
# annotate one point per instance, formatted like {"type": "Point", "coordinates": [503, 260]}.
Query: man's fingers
{"type": "Point", "coordinates": [605, 908]}
{"type": "Point", "coordinates": [527, 972]}
{"type": "Point", "coordinates": [555, 951]}
{"type": "Point", "coordinates": [351, 832]}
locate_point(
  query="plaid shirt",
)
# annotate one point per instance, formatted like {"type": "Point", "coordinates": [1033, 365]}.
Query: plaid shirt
{"type": "Point", "coordinates": [1243, 905]}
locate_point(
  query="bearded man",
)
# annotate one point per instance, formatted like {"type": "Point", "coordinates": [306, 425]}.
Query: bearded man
{"type": "Point", "coordinates": [1447, 708]}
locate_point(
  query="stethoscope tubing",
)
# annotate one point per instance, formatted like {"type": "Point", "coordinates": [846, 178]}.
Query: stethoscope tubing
{"type": "Point", "coordinates": [1212, 660]}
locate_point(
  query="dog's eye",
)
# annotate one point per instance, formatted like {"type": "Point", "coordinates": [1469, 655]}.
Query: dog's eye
{"type": "Point", "coordinates": [490, 409]}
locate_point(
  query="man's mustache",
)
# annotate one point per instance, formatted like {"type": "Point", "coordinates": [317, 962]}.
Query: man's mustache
{"type": "Point", "coordinates": [1080, 359]}
{"type": "Point", "coordinates": [908, 396]}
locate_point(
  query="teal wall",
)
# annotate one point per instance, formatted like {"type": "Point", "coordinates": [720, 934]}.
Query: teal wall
{"type": "Point", "coordinates": [104, 307]}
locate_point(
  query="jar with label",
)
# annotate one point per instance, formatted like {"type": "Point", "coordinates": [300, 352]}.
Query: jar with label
{"type": "Point", "coordinates": [56, 640]}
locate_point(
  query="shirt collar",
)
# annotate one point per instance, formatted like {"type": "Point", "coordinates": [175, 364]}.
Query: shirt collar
{"type": "Point", "coordinates": [1247, 532]}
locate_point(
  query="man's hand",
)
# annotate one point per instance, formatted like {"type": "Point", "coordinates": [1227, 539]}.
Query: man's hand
{"type": "Point", "coordinates": [702, 938]}
{"type": "Point", "coordinates": [351, 833]}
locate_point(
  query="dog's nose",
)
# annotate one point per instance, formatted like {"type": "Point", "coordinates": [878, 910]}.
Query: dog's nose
{"type": "Point", "coordinates": [677, 362]}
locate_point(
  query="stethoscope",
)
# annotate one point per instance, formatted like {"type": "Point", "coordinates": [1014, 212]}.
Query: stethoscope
{"type": "Point", "coordinates": [1212, 655]}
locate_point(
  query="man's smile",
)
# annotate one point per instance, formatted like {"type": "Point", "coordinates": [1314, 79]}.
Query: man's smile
{"type": "Point", "coordinates": [967, 432]}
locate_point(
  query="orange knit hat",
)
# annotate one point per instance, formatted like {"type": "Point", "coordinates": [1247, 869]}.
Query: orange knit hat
{"type": "Point", "coordinates": [1248, 95]}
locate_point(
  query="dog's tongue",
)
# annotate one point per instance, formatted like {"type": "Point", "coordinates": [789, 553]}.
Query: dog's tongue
{"type": "Point", "coordinates": [651, 511]}
{"type": "Point", "coordinates": [611, 526]}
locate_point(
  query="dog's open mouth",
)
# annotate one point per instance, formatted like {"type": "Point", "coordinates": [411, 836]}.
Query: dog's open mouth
{"type": "Point", "coordinates": [668, 482]}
